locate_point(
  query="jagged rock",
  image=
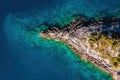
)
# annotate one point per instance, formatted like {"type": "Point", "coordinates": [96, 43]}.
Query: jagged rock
{"type": "Point", "coordinates": [77, 36]}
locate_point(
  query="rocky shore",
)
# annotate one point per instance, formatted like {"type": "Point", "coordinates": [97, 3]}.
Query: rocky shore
{"type": "Point", "coordinates": [77, 35]}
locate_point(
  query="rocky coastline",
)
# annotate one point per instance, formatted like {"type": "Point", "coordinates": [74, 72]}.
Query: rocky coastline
{"type": "Point", "coordinates": [77, 35]}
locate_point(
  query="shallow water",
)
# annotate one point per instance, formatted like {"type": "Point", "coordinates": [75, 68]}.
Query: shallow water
{"type": "Point", "coordinates": [26, 56]}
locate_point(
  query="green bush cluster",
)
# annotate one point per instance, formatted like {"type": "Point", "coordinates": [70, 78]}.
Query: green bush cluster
{"type": "Point", "coordinates": [103, 41]}
{"type": "Point", "coordinates": [116, 61]}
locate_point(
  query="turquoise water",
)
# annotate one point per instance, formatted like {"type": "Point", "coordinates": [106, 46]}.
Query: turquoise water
{"type": "Point", "coordinates": [54, 59]}
{"type": "Point", "coordinates": [34, 58]}
{"type": "Point", "coordinates": [63, 11]}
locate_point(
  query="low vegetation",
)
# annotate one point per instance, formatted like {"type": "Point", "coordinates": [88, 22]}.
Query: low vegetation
{"type": "Point", "coordinates": [108, 45]}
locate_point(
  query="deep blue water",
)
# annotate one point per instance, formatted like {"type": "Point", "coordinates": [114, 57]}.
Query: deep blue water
{"type": "Point", "coordinates": [23, 56]}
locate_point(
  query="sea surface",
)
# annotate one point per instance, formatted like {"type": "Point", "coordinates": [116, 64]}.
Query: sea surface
{"type": "Point", "coordinates": [24, 55]}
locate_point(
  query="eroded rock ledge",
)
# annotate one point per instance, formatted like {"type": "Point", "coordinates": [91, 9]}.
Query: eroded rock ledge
{"type": "Point", "coordinates": [78, 34]}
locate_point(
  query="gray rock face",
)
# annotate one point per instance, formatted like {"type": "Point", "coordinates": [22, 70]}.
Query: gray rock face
{"type": "Point", "coordinates": [77, 34]}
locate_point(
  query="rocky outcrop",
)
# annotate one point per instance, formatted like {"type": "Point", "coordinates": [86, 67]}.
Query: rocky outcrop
{"type": "Point", "coordinates": [77, 36]}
